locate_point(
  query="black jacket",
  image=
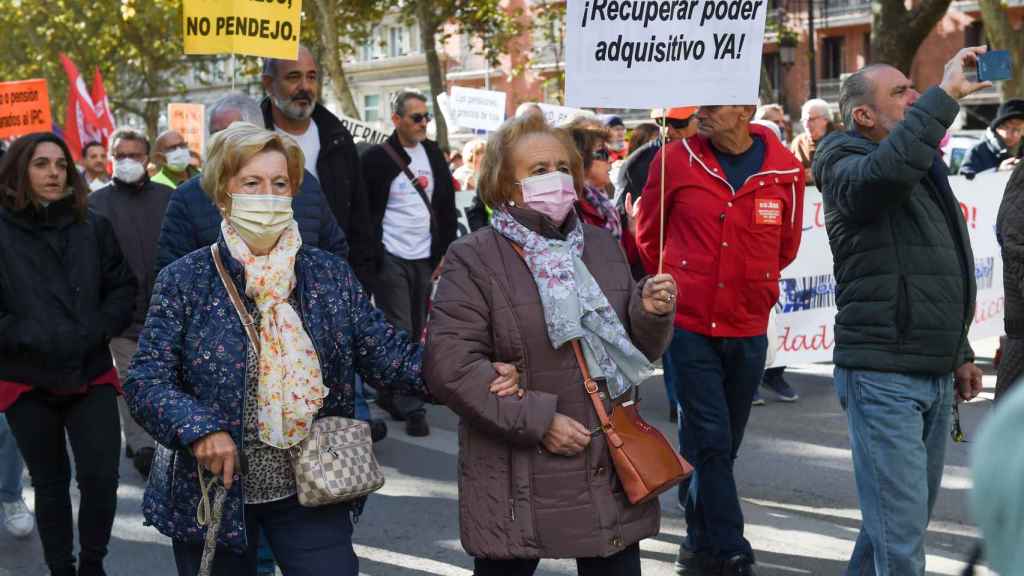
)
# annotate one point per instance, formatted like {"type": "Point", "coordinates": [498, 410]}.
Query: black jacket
{"type": "Point", "coordinates": [988, 153]}
{"type": "Point", "coordinates": [136, 213]}
{"type": "Point", "coordinates": [1010, 233]}
{"type": "Point", "coordinates": [65, 291]}
{"type": "Point", "coordinates": [905, 283]}
{"type": "Point", "coordinates": [380, 171]}
{"type": "Point", "coordinates": [341, 181]}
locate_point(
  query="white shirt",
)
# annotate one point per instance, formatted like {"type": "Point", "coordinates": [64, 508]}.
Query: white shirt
{"type": "Point", "coordinates": [96, 184]}
{"type": "Point", "coordinates": [309, 141]}
{"type": "Point", "coordinates": [406, 218]}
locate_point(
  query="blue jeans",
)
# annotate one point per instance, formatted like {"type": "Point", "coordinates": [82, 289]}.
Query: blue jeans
{"type": "Point", "coordinates": [716, 379]}
{"type": "Point", "coordinates": [305, 541]}
{"type": "Point", "coordinates": [673, 396]}
{"type": "Point", "coordinates": [11, 465]}
{"type": "Point", "coordinates": [362, 408]}
{"type": "Point", "coordinates": [898, 428]}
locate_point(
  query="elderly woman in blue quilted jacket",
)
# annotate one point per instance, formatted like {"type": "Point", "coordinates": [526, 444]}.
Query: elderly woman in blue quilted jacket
{"type": "Point", "coordinates": [212, 399]}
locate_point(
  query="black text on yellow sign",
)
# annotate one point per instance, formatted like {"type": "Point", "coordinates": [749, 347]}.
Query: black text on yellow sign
{"type": "Point", "coordinates": [268, 28]}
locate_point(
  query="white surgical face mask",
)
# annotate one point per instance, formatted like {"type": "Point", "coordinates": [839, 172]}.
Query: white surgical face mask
{"type": "Point", "coordinates": [552, 194]}
{"type": "Point", "coordinates": [260, 219]}
{"type": "Point", "coordinates": [177, 159]}
{"type": "Point", "coordinates": [129, 170]}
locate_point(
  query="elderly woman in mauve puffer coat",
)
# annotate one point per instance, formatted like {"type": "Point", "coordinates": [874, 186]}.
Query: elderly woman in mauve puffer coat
{"type": "Point", "coordinates": [211, 398]}
{"type": "Point", "coordinates": [535, 476]}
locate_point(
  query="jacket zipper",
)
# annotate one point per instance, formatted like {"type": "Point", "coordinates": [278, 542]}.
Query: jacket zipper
{"type": "Point", "coordinates": [726, 182]}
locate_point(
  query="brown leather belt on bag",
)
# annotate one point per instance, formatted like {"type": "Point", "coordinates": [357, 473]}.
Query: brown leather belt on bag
{"type": "Point", "coordinates": [644, 460]}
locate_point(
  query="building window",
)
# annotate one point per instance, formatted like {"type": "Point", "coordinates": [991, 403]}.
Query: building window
{"type": "Point", "coordinates": [832, 64]}
{"type": "Point", "coordinates": [974, 35]}
{"type": "Point", "coordinates": [867, 48]}
{"type": "Point", "coordinates": [396, 42]}
{"type": "Point", "coordinates": [371, 107]}
{"type": "Point", "coordinates": [773, 66]}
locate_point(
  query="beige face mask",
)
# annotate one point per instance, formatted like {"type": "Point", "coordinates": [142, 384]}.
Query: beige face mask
{"type": "Point", "coordinates": [260, 219]}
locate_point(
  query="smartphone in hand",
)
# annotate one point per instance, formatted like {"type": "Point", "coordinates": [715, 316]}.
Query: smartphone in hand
{"type": "Point", "coordinates": [994, 66]}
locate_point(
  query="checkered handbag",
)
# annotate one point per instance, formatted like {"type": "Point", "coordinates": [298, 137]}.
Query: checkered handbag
{"type": "Point", "coordinates": [335, 462]}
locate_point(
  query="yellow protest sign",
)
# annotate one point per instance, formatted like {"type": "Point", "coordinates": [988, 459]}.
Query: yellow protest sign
{"type": "Point", "coordinates": [268, 28]}
{"type": "Point", "coordinates": [189, 121]}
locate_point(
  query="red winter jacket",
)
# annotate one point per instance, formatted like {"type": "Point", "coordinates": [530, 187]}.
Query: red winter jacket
{"type": "Point", "coordinates": [724, 248]}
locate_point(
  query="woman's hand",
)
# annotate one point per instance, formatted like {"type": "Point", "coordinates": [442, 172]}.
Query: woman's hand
{"type": "Point", "coordinates": [507, 382]}
{"type": "Point", "coordinates": [659, 295]}
{"type": "Point", "coordinates": [217, 453]}
{"type": "Point", "coordinates": [565, 437]}
{"type": "Point", "coordinates": [632, 213]}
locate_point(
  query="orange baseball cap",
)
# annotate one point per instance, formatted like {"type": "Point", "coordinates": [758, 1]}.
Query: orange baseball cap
{"type": "Point", "coordinates": [678, 113]}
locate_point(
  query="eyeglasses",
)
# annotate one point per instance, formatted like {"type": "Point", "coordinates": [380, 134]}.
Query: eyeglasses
{"type": "Point", "coordinates": [601, 154]}
{"type": "Point", "coordinates": [417, 118]}
{"type": "Point", "coordinates": [677, 123]}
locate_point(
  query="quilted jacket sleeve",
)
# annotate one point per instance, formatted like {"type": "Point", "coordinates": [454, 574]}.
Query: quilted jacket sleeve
{"type": "Point", "coordinates": [864, 186]}
{"type": "Point", "coordinates": [177, 237]}
{"type": "Point", "coordinates": [458, 359]}
{"type": "Point", "coordinates": [153, 389]}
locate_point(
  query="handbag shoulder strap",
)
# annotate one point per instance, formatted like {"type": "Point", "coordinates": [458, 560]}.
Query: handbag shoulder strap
{"type": "Point", "coordinates": [247, 322]}
{"type": "Point", "coordinates": [589, 383]}
{"type": "Point", "coordinates": [412, 178]}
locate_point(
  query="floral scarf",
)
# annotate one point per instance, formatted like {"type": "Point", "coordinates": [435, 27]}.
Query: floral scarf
{"type": "Point", "coordinates": [574, 305]}
{"type": "Point", "coordinates": [291, 388]}
{"type": "Point", "coordinates": [605, 208]}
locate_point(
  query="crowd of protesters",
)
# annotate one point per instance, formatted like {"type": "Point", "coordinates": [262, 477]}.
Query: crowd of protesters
{"type": "Point", "coordinates": [667, 245]}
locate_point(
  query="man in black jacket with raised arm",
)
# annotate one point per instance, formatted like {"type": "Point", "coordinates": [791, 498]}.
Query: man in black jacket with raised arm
{"type": "Point", "coordinates": [905, 287]}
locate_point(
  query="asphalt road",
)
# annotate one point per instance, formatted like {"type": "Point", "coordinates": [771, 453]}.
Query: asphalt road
{"type": "Point", "coordinates": [794, 473]}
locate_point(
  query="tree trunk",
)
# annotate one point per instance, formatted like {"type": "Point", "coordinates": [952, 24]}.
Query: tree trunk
{"type": "Point", "coordinates": [896, 33]}
{"type": "Point", "coordinates": [428, 39]}
{"type": "Point", "coordinates": [1002, 36]}
{"type": "Point", "coordinates": [152, 119]}
{"type": "Point", "coordinates": [332, 57]}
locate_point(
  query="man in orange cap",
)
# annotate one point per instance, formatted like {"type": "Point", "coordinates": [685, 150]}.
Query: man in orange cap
{"type": "Point", "coordinates": [633, 174]}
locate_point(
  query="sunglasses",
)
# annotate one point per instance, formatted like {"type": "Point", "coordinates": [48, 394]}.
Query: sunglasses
{"type": "Point", "coordinates": [417, 118]}
{"type": "Point", "coordinates": [601, 154]}
{"type": "Point", "coordinates": [677, 123]}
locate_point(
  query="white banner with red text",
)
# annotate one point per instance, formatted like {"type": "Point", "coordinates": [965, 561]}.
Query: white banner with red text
{"type": "Point", "coordinates": [807, 309]}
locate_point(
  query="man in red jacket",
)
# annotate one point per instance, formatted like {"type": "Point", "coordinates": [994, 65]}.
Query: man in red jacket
{"type": "Point", "coordinates": [733, 215]}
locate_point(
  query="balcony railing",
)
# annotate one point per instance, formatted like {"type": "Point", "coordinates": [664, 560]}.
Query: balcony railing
{"type": "Point", "coordinates": [837, 8]}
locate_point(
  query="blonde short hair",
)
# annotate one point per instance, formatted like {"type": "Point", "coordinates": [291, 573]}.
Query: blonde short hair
{"type": "Point", "coordinates": [232, 148]}
{"type": "Point", "coordinates": [497, 181]}
{"type": "Point", "coordinates": [472, 149]}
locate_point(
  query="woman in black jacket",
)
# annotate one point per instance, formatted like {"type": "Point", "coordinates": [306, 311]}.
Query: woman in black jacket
{"type": "Point", "coordinates": [65, 290]}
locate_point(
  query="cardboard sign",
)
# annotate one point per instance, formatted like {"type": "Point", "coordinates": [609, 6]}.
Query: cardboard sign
{"type": "Point", "coordinates": [24, 108]}
{"type": "Point", "coordinates": [477, 109]}
{"type": "Point", "coordinates": [554, 114]}
{"type": "Point", "coordinates": [267, 28]}
{"type": "Point", "coordinates": [656, 53]}
{"type": "Point", "coordinates": [190, 121]}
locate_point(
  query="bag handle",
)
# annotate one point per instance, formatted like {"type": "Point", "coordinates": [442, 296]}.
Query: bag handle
{"type": "Point", "coordinates": [589, 383]}
{"type": "Point", "coordinates": [412, 179]}
{"type": "Point", "coordinates": [247, 322]}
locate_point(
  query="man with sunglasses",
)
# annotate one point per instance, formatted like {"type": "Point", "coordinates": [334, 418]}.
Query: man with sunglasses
{"type": "Point", "coordinates": [412, 210]}
{"type": "Point", "coordinates": [292, 108]}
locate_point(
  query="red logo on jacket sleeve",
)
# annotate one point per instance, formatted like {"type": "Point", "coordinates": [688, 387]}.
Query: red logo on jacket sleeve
{"type": "Point", "coordinates": [768, 211]}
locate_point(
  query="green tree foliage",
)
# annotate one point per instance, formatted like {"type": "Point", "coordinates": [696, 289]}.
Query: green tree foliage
{"type": "Point", "coordinates": [136, 44]}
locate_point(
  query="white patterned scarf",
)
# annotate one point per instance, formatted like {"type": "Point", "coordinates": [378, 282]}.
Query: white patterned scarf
{"type": "Point", "coordinates": [575, 307]}
{"type": "Point", "coordinates": [291, 388]}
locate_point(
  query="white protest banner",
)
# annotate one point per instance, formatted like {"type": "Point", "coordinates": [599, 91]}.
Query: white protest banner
{"type": "Point", "coordinates": [363, 132]}
{"type": "Point", "coordinates": [807, 308]}
{"type": "Point", "coordinates": [476, 109]}
{"type": "Point", "coordinates": [654, 53]}
{"type": "Point", "coordinates": [554, 114]}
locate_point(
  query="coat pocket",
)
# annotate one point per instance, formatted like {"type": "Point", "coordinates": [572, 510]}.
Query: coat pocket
{"type": "Point", "coordinates": [903, 313]}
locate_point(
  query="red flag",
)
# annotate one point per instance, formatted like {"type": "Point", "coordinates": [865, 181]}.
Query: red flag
{"type": "Point", "coordinates": [105, 120]}
{"type": "Point", "coordinates": [80, 124]}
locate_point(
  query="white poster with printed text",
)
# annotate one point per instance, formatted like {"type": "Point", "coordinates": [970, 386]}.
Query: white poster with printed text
{"type": "Point", "coordinates": [475, 109]}
{"type": "Point", "coordinates": [807, 307]}
{"type": "Point", "coordinates": [655, 53]}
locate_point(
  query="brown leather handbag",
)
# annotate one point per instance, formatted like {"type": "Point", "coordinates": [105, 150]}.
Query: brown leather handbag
{"type": "Point", "coordinates": [645, 462]}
